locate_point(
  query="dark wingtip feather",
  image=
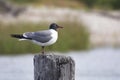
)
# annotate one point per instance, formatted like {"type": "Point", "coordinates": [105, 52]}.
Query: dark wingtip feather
{"type": "Point", "coordinates": [12, 35]}
{"type": "Point", "coordinates": [17, 36]}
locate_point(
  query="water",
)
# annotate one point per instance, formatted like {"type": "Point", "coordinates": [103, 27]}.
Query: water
{"type": "Point", "coordinates": [16, 67]}
{"type": "Point", "coordinates": [96, 64]}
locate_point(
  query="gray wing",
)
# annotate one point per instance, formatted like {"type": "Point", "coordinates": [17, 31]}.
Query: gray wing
{"type": "Point", "coordinates": [40, 36]}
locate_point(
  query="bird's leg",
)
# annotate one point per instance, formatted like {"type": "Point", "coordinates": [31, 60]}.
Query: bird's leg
{"type": "Point", "coordinates": [43, 49]}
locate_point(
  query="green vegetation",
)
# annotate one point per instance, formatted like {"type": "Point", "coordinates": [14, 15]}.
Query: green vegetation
{"type": "Point", "coordinates": [65, 42]}
{"type": "Point", "coordinates": [25, 1]}
{"type": "Point", "coordinates": [55, 3]}
{"type": "Point", "coordinates": [102, 4]}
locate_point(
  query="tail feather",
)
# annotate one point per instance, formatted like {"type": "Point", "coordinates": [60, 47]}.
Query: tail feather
{"type": "Point", "coordinates": [20, 36]}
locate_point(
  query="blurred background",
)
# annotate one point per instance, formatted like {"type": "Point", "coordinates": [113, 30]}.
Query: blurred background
{"type": "Point", "coordinates": [91, 36]}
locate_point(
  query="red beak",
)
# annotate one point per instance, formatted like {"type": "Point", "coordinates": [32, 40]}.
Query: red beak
{"type": "Point", "coordinates": [60, 27]}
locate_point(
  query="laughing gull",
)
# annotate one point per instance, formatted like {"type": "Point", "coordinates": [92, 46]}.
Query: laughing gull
{"type": "Point", "coordinates": [42, 38]}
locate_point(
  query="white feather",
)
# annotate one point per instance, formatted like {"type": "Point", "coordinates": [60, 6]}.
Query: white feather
{"type": "Point", "coordinates": [24, 35]}
{"type": "Point", "coordinates": [52, 41]}
{"type": "Point", "coordinates": [22, 39]}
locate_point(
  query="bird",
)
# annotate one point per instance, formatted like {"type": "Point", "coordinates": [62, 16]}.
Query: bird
{"type": "Point", "coordinates": [42, 38]}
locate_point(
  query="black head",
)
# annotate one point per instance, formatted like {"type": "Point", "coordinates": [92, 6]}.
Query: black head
{"type": "Point", "coordinates": [54, 26]}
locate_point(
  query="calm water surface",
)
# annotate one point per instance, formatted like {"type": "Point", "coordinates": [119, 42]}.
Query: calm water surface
{"type": "Point", "coordinates": [96, 64]}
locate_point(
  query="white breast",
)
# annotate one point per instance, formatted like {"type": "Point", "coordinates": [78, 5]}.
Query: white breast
{"type": "Point", "coordinates": [52, 41]}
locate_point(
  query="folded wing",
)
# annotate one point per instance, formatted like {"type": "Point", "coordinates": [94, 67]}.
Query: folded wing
{"type": "Point", "coordinates": [40, 36]}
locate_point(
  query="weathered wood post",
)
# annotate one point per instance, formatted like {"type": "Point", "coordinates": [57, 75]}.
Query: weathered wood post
{"type": "Point", "coordinates": [53, 67]}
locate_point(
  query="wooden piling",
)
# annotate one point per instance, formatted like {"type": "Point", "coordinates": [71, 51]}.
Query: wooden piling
{"type": "Point", "coordinates": [53, 67]}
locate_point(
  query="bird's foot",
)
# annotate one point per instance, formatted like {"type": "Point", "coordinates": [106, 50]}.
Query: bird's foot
{"type": "Point", "coordinates": [43, 53]}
